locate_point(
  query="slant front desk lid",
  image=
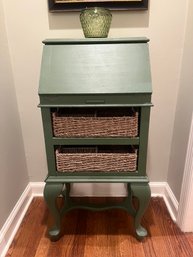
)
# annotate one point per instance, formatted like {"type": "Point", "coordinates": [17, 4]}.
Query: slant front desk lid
{"type": "Point", "coordinates": [95, 66]}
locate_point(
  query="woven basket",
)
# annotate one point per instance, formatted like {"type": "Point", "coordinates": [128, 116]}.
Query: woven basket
{"type": "Point", "coordinates": [85, 160]}
{"type": "Point", "coordinates": [88, 126]}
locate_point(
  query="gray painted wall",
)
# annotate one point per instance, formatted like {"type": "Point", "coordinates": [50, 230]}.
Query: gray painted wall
{"type": "Point", "coordinates": [184, 111]}
{"type": "Point", "coordinates": [13, 172]}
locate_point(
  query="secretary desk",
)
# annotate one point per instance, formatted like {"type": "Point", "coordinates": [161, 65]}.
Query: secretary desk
{"type": "Point", "coordinates": [95, 100]}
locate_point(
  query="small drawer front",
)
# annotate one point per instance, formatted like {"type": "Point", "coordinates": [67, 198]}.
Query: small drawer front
{"type": "Point", "coordinates": [95, 122]}
{"type": "Point", "coordinates": [94, 159]}
{"type": "Point", "coordinates": [99, 99]}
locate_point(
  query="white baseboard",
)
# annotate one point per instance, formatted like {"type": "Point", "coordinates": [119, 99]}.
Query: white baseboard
{"type": "Point", "coordinates": [162, 189]}
{"type": "Point", "coordinates": [171, 202]}
{"type": "Point", "coordinates": [34, 189]}
{"type": "Point", "coordinates": [100, 189]}
{"type": "Point", "coordinates": [14, 220]}
{"type": "Point", "coordinates": [157, 188]}
{"type": "Point", "coordinates": [37, 188]}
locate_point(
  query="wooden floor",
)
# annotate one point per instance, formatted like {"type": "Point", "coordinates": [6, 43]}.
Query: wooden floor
{"type": "Point", "coordinates": [100, 234]}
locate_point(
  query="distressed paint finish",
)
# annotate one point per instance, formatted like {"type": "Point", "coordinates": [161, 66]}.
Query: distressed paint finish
{"type": "Point", "coordinates": [96, 73]}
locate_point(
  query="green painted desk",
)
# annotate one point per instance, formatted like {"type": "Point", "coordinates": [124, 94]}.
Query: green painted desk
{"type": "Point", "coordinates": [99, 74]}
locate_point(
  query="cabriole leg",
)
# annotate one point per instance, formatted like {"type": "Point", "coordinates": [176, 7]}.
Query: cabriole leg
{"type": "Point", "coordinates": [51, 192]}
{"type": "Point", "coordinates": [143, 194]}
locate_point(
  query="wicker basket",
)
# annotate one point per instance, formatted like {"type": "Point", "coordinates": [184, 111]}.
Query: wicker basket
{"type": "Point", "coordinates": [95, 126]}
{"type": "Point", "coordinates": [88, 159]}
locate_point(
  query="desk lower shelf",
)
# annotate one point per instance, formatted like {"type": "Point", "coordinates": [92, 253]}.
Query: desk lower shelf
{"type": "Point", "coordinates": [95, 141]}
{"type": "Point", "coordinates": [97, 179]}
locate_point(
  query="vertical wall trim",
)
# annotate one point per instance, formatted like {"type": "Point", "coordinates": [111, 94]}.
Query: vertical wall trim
{"type": "Point", "coordinates": [184, 219]}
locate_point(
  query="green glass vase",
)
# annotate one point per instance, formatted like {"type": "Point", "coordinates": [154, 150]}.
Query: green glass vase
{"type": "Point", "coordinates": [95, 22]}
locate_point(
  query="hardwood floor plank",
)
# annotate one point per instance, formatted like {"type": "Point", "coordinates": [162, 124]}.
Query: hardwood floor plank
{"type": "Point", "coordinates": [65, 245]}
{"type": "Point", "coordinates": [30, 231]}
{"type": "Point", "coordinates": [127, 244]}
{"type": "Point", "coordinates": [100, 234]}
{"type": "Point", "coordinates": [42, 249]}
{"type": "Point", "coordinates": [156, 244]}
{"type": "Point", "coordinates": [166, 238]}
{"type": "Point", "coordinates": [97, 238]}
{"type": "Point", "coordinates": [189, 238]}
{"type": "Point", "coordinates": [80, 236]}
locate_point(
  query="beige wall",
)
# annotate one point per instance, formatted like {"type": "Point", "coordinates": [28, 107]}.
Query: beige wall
{"type": "Point", "coordinates": [28, 23]}
{"type": "Point", "coordinates": [13, 170]}
{"type": "Point", "coordinates": [184, 110]}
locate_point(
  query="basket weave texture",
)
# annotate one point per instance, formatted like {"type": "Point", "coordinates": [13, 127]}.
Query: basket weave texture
{"type": "Point", "coordinates": [72, 126]}
{"type": "Point", "coordinates": [96, 162]}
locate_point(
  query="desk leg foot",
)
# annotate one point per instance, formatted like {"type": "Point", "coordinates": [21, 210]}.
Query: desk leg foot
{"type": "Point", "coordinates": [51, 192]}
{"type": "Point", "coordinates": [143, 194]}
